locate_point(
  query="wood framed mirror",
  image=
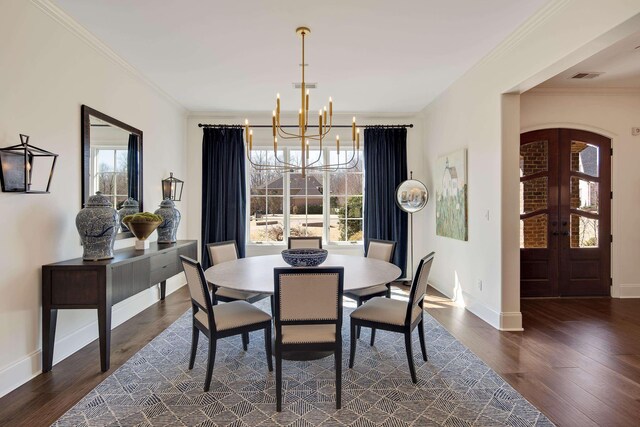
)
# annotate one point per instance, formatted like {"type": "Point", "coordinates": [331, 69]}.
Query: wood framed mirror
{"type": "Point", "coordinates": [111, 160]}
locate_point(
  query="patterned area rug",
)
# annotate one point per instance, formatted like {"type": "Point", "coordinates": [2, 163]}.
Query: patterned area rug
{"type": "Point", "coordinates": [155, 388]}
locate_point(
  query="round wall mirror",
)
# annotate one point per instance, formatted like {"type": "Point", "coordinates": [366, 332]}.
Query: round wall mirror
{"type": "Point", "coordinates": [412, 195]}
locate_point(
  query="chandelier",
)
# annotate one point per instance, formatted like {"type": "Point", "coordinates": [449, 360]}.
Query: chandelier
{"type": "Point", "coordinates": [305, 135]}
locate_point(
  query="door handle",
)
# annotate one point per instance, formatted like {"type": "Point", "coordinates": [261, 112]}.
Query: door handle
{"type": "Point", "coordinates": [565, 233]}
{"type": "Point", "coordinates": [555, 233]}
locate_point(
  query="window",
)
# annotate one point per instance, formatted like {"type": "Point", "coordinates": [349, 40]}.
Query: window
{"type": "Point", "coordinates": [109, 173]}
{"type": "Point", "coordinates": [288, 204]}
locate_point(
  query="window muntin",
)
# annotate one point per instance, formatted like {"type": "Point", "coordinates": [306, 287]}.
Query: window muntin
{"type": "Point", "coordinates": [311, 206]}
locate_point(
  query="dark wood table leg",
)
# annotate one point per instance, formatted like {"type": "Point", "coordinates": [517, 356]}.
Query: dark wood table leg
{"type": "Point", "coordinates": [163, 289]}
{"type": "Point", "coordinates": [49, 320]}
{"type": "Point", "coordinates": [104, 331]}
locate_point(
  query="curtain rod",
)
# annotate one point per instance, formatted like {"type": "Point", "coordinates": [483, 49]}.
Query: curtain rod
{"type": "Point", "coordinates": [207, 125]}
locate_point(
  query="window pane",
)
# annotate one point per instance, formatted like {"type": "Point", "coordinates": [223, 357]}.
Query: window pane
{"type": "Point", "coordinates": [354, 207]}
{"type": "Point", "coordinates": [533, 195]}
{"type": "Point", "coordinates": [338, 183]}
{"type": "Point", "coordinates": [584, 195]}
{"type": "Point", "coordinates": [105, 183]}
{"type": "Point", "coordinates": [355, 183]}
{"type": "Point", "coordinates": [122, 183]}
{"type": "Point", "coordinates": [121, 161]}
{"type": "Point", "coordinates": [105, 160]}
{"type": "Point", "coordinates": [533, 232]}
{"type": "Point", "coordinates": [584, 158]}
{"type": "Point", "coordinates": [533, 158]}
{"type": "Point", "coordinates": [584, 232]}
{"type": "Point", "coordinates": [354, 229]}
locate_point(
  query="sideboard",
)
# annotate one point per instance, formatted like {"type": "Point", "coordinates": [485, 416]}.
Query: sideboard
{"type": "Point", "coordinates": [79, 284]}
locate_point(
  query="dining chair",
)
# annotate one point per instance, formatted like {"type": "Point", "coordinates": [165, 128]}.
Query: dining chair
{"type": "Point", "coordinates": [308, 316]}
{"type": "Point", "coordinates": [310, 242]}
{"type": "Point", "coordinates": [396, 316]}
{"type": "Point", "coordinates": [220, 321]}
{"type": "Point", "coordinates": [228, 251]}
{"type": "Point", "coordinates": [384, 251]}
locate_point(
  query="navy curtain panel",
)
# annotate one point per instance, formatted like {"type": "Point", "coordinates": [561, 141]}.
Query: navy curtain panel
{"type": "Point", "coordinates": [385, 165]}
{"type": "Point", "coordinates": [224, 197]}
{"type": "Point", "coordinates": [133, 151]}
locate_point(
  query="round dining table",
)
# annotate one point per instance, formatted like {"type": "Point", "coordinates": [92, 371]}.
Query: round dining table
{"type": "Point", "coordinates": [255, 274]}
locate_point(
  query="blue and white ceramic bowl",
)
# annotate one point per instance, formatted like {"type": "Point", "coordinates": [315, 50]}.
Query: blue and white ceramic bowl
{"type": "Point", "coordinates": [304, 257]}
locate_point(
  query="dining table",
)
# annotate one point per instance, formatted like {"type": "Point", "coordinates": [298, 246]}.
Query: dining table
{"type": "Point", "coordinates": [255, 275]}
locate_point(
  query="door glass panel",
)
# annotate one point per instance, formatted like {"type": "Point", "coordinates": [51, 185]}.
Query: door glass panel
{"type": "Point", "coordinates": [533, 194]}
{"type": "Point", "coordinates": [534, 158]}
{"type": "Point", "coordinates": [584, 232]}
{"type": "Point", "coordinates": [533, 232]}
{"type": "Point", "coordinates": [584, 195]}
{"type": "Point", "coordinates": [585, 158]}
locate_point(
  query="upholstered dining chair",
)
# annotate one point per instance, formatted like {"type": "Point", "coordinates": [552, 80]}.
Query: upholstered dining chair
{"type": "Point", "coordinates": [384, 251]}
{"type": "Point", "coordinates": [396, 316]}
{"type": "Point", "coordinates": [308, 316]}
{"type": "Point", "coordinates": [228, 251]}
{"type": "Point", "coordinates": [220, 321]}
{"type": "Point", "coordinates": [305, 242]}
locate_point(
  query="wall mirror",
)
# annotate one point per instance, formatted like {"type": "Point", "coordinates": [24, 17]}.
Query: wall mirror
{"type": "Point", "coordinates": [111, 160]}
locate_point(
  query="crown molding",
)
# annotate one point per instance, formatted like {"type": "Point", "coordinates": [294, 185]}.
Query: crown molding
{"type": "Point", "coordinates": [92, 41]}
{"type": "Point", "coordinates": [584, 91]}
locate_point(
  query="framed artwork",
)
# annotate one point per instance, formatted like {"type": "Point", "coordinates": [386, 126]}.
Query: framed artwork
{"type": "Point", "coordinates": [451, 195]}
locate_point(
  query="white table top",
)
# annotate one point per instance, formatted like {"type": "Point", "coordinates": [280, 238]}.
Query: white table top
{"type": "Point", "coordinates": [255, 274]}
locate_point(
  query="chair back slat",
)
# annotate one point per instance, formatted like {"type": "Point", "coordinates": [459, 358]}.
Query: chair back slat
{"type": "Point", "coordinates": [198, 287]}
{"type": "Point", "coordinates": [381, 249]}
{"type": "Point", "coordinates": [222, 252]}
{"type": "Point", "coordinates": [419, 286]}
{"type": "Point", "coordinates": [305, 243]}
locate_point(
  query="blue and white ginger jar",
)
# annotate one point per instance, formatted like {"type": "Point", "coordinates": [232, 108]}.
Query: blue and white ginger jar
{"type": "Point", "coordinates": [97, 224]}
{"type": "Point", "coordinates": [129, 207]}
{"type": "Point", "coordinates": [168, 230]}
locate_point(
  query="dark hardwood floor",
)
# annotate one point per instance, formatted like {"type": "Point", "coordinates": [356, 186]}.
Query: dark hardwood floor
{"type": "Point", "coordinates": [578, 360]}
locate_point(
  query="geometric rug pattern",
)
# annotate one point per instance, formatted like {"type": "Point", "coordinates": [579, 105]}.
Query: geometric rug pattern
{"type": "Point", "coordinates": [155, 388]}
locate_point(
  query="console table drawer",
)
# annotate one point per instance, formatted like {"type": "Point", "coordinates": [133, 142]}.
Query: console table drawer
{"type": "Point", "coordinates": [161, 260]}
{"type": "Point", "coordinates": [163, 273]}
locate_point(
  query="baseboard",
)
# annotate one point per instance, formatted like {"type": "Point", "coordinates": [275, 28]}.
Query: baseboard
{"type": "Point", "coordinates": [27, 368]}
{"type": "Point", "coordinates": [511, 321]}
{"type": "Point", "coordinates": [630, 290]}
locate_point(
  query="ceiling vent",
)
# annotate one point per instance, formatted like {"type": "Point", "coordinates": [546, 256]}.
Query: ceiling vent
{"type": "Point", "coordinates": [586, 76]}
{"type": "Point", "coordinates": [309, 85]}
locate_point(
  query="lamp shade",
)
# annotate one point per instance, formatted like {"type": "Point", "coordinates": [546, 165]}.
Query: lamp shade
{"type": "Point", "coordinates": [172, 188]}
{"type": "Point", "coordinates": [26, 168]}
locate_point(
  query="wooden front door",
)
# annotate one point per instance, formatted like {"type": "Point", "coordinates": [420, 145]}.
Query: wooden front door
{"type": "Point", "coordinates": [565, 213]}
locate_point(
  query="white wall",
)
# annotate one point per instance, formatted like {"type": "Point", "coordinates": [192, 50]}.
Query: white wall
{"type": "Point", "coordinates": [612, 113]}
{"type": "Point", "coordinates": [475, 113]}
{"type": "Point", "coordinates": [194, 138]}
{"type": "Point", "coordinates": [46, 72]}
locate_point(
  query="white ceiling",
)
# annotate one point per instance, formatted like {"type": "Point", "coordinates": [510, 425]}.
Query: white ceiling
{"type": "Point", "coordinates": [619, 63]}
{"type": "Point", "coordinates": [370, 55]}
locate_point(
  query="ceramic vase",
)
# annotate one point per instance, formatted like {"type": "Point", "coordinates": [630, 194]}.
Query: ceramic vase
{"type": "Point", "coordinates": [168, 230]}
{"type": "Point", "coordinates": [129, 207]}
{"type": "Point", "coordinates": [97, 224]}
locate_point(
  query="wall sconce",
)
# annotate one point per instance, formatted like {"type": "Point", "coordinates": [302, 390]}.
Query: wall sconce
{"type": "Point", "coordinates": [172, 188]}
{"type": "Point", "coordinates": [20, 173]}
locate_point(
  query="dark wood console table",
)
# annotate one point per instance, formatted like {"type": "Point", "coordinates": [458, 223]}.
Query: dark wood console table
{"type": "Point", "coordinates": [79, 284]}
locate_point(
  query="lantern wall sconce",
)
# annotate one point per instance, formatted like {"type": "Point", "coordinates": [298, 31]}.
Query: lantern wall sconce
{"type": "Point", "coordinates": [21, 173]}
{"type": "Point", "coordinates": [172, 188]}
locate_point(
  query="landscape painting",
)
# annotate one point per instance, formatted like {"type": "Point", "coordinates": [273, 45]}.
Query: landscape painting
{"type": "Point", "coordinates": [451, 195]}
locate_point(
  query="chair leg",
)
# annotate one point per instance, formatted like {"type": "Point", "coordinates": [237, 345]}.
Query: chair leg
{"type": "Point", "coordinates": [211, 361]}
{"type": "Point", "coordinates": [338, 357]}
{"type": "Point", "coordinates": [373, 336]}
{"type": "Point", "coordinates": [267, 345]}
{"type": "Point", "coordinates": [388, 290]}
{"type": "Point", "coordinates": [273, 305]}
{"type": "Point", "coordinates": [245, 341]}
{"type": "Point", "coordinates": [423, 347]}
{"type": "Point", "coordinates": [359, 303]}
{"type": "Point", "coordinates": [278, 379]}
{"type": "Point", "coordinates": [352, 352]}
{"type": "Point", "coordinates": [407, 343]}
{"type": "Point", "coordinates": [195, 334]}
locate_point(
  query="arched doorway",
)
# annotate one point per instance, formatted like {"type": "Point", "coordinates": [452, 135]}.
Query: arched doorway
{"type": "Point", "coordinates": [565, 213]}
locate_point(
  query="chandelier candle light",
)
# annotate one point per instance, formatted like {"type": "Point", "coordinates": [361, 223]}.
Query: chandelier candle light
{"type": "Point", "coordinates": [325, 120]}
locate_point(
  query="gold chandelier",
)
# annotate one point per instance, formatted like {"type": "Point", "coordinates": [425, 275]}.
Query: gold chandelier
{"type": "Point", "coordinates": [325, 125]}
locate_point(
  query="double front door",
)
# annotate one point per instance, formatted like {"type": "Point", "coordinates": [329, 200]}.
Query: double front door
{"type": "Point", "coordinates": [565, 213]}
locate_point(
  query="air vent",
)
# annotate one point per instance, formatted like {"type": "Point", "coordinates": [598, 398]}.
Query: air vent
{"type": "Point", "coordinates": [585, 75]}
{"type": "Point", "coordinates": [298, 85]}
